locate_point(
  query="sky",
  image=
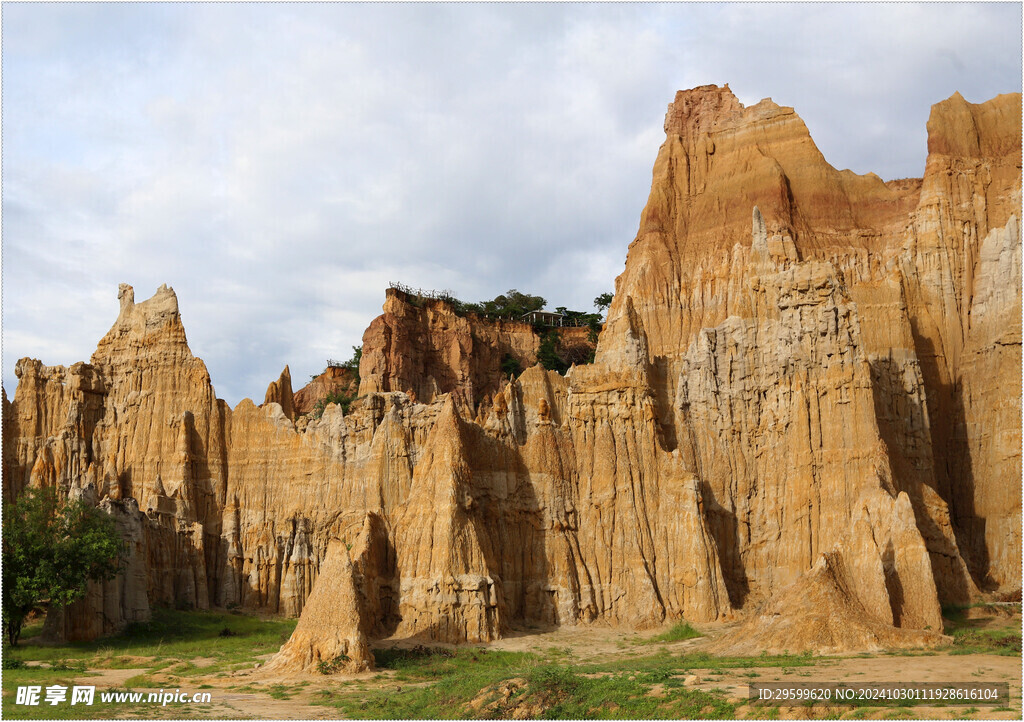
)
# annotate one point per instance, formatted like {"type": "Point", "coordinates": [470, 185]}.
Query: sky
{"type": "Point", "coordinates": [279, 165]}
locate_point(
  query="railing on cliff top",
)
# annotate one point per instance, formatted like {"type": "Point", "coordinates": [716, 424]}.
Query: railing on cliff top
{"type": "Point", "coordinates": [442, 295]}
{"type": "Point", "coordinates": [449, 296]}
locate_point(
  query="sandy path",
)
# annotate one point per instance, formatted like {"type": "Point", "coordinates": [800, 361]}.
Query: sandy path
{"type": "Point", "coordinates": [241, 705]}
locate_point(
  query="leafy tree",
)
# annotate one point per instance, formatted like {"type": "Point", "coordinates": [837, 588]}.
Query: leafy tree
{"type": "Point", "coordinates": [353, 363]}
{"type": "Point", "coordinates": [547, 354]}
{"type": "Point", "coordinates": [51, 549]}
{"type": "Point", "coordinates": [510, 366]}
{"type": "Point", "coordinates": [512, 304]}
{"type": "Point", "coordinates": [603, 301]}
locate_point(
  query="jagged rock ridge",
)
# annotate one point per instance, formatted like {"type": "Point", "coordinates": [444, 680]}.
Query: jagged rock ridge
{"type": "Point", "coordinates": [809, 380]}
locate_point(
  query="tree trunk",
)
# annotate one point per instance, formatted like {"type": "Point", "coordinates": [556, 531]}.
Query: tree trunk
{"type": "Point", "coordinates": [13, 630]}
{"type": "Point", "coordinates": [53, 627]}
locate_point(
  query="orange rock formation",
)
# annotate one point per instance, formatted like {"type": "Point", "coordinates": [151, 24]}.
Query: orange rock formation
{"type": "Point", "coordinates": [421, 345]}
{"type": "Point", "coordinates": [807, 392]}
{"type": "Point", "coordinates": [333, 380]}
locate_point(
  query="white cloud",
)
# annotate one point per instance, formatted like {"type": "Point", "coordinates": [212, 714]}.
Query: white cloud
{"type": "Point", "coordinates": [279, 164]}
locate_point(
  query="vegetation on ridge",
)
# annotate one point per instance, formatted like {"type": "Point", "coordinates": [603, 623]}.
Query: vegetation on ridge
{"type": "Point", "coordinates": [547, 354]}
{"type": "Point", "coordinates": [514, 304]}
{"type": "Point", "coordinates": [353, 363]}
{"type": "Point", "coordinates": [342, 398]}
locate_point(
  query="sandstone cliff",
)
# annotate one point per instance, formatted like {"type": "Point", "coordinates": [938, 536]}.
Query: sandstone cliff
{"type": "Point", "coordinates": [901, 258]}
{"type": "Point", "coordinates": [808, 388]}
{"type": "Point", "coordinates": [334, 380]}
{"type": "Point", "coordinates": [422, 346]}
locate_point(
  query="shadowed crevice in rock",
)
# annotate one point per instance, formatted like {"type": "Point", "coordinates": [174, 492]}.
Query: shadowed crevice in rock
{"type": "Point", "coordinates": [904, 428]}
{"type": "Point", "coordinates": [725, 529]}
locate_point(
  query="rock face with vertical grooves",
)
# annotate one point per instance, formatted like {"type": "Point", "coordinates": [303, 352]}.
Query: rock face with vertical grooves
{"type": "Point", "coordinates": [805, 401]}
{"type": "Point", "coordinates": [822, 613]}
{"type": "Point", "coordinates": [329, 635]}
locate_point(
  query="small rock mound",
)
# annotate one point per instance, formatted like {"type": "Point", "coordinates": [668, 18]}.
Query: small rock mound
{"type": "Point", "coordinates": [508, 699]}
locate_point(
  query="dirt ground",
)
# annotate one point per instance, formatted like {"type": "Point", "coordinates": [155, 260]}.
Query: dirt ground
{"type": "Point", "coordinates": [597, 644]}
{"type": "Point", "coordinates": [256, 693]}
{"type": "Point", "coordinates": [593, 644]}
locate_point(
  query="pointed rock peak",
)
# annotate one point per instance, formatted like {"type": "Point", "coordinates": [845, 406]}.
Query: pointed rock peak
{"type": "Point", "coordinates": [330, 626]}
{"type": "Point", "coordinates": [449, 416]}
{"type": "Point", "coordinates": [153, 322]}
{"type": "Point", "coordinates": [697, 110]}
{"type": "Point", "coordinates": [280, 392]}
{"type": "Point", "coordinates": [958, 127]}
{"type": "Point", "coordinates": [163, 303]}
{"type": "Point", "coordinates": [126, 295]}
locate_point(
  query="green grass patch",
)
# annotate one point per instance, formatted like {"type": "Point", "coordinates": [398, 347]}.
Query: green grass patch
{"type": "Point", "coordinates": [32, 629]}
{"type": "Point", "coordinates": [438, 683]}
{"type": "Point", "coordinates": [981, 636]}
{"type": "Point", "coordinates": [179, 636]}
{"type": "Point", "coordinates": [678, 632]}
{"type": "Point", "coordinates": [434, 683]}
{"type": "Point", "coordinates": [665, 661]}
{"type": "Point", "coordinates": [562, 693]}
{"type": "Point", "coordinates": [145, 681]}
{"type": "Point", "coordinates": [168, 644]}
{"type": "Point", "coordinates": [45, 677]}
{"type": "Point", "coordinates": [281, 691]}
{"type": "Point", "coordinates": [1004, 642]}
